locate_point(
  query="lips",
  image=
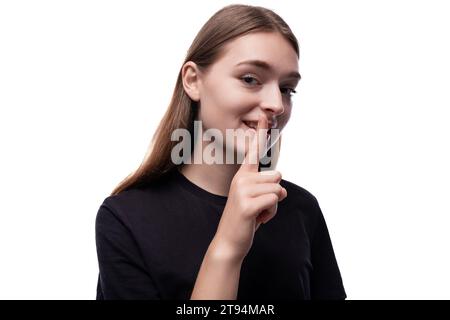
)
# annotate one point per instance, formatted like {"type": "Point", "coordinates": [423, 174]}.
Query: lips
{"type": "Point", "coordinates": [250, 124]}
{"type": "Point", "coordinates": [253, 125]}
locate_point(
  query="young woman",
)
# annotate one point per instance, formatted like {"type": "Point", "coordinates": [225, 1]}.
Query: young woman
{"type": "Point", "coordinates": [212, 229]}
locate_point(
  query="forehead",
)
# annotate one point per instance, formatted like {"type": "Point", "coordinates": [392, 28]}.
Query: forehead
{"type": "Point", "coordinates": [270, 47]}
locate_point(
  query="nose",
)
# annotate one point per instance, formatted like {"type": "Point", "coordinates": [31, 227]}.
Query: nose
{"type": "Point", "coordinates": [272, 101]}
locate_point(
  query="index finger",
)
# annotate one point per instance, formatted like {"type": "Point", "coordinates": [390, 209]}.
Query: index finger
{"type": "Point", "coordinates": [251, 160]}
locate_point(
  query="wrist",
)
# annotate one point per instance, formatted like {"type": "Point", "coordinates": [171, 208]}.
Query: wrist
{"type": "Point", "coordinates": [223, 252]}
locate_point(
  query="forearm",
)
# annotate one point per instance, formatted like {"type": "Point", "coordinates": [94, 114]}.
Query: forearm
{"type": "Point", "coordinates": [218, 277]}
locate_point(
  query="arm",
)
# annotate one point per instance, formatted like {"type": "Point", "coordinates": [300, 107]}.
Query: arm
{"type": "Point", "coordinates": [252, 200]}
{"type": "Point", "coordinates": [326, 282]}
{"type": "Point", "coordinates": [122, 271]}
{"type": "Point", "coordinates": [218, 278]}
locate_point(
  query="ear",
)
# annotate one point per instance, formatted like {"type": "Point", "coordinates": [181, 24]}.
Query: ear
{"type": "Point", "coordinates": [191, 80]}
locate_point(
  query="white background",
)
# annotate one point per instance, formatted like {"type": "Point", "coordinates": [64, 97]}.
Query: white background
{"type": "Point", "coordinates": [83, 85]}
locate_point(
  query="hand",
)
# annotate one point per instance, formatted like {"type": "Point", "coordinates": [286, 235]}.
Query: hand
{"type": "Point", "coordinates": [252, 200]}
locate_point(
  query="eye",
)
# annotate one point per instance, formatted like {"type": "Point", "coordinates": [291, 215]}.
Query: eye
{"type": "Point", "coordinates": [288, 91]}
{"type": "Point", "coordinates": [250, 80]}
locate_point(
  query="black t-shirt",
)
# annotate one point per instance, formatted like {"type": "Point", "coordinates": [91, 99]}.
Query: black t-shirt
{"type": "Point", "coordinates": [151, 242]}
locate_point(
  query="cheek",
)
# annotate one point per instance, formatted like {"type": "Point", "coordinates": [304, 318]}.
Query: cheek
{"type": "Point", "coordinates": [231, 98]}
{"type": "Point", "coordinates": [225, 103]}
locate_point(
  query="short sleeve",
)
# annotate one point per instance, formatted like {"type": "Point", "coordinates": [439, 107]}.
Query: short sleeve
{"type": "Point", "coordinates": [326, 282]}
{"type": "Point", "coordinates": [122, 271]}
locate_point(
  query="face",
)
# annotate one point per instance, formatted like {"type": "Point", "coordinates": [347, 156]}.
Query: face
{"type": "Point", "coordinates": [255, 75]}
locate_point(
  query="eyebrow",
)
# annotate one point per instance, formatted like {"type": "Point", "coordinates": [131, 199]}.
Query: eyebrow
{"type": "Point", "coordinates": [264, 65]}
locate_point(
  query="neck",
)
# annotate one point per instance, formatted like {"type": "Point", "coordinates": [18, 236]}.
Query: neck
{"type": "Point", "coordinates": [201, 176]}
{"type": "Point", "coordinates": [214, 178]}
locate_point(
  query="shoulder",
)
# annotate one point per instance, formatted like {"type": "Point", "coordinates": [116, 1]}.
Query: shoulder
{"type": "Point", "coordinates": [116, 209]}
{"type": "Point", "coordinates": [301, 203]}
{"type": "Point", "coordinates": [126, 200]}
{"type": "Point", "coordinates": [143, 204]}
{"type": "Point", "coordinates": [299, 194]}
{"type": "Point", "coordinates": [131, 207]}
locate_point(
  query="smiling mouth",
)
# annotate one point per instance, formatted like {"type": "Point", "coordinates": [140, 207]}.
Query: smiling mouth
{"type": "Point", "coordinates": [253, 125]}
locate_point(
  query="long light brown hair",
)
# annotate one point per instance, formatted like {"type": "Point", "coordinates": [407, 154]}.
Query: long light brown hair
{"type": "Point", "coordinates": [225, 25]}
